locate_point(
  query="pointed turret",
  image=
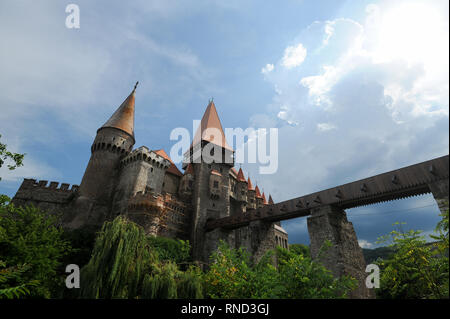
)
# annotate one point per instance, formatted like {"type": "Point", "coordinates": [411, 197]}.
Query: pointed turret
{"type": "Point", "coordinates": [264, 199]}
{"type": "Point", "coordinates": [123, 117]}
{"type": "Point", "coordinates": [240, 176]}
{"type": "Point", "coordinates": [258, 193]}
{"type": "Point", "coordinates": [270, 200]}
{"type": "Point", "coordinates": [209, 126]}
{"type": "Point", "coordinates": [250, 186]}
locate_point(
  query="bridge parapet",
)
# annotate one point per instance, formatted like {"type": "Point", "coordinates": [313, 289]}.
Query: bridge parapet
{"type": "Point", "coordinates": [404, 182]}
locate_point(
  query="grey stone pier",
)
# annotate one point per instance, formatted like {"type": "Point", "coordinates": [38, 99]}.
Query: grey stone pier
{"type": "Point", "coordinates": [344, 257]}
{"type": "Point", "coordinates": [440, 189]}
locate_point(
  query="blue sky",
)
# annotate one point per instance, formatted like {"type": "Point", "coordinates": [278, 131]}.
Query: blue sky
{"type": "Point", "coordinates": [355, 88]}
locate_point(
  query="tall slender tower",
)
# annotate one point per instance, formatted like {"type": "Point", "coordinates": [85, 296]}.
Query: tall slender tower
{"type": "Point", "coordinates": [211, 158]}
{"type": "Point", "coordinates": [114, 140]}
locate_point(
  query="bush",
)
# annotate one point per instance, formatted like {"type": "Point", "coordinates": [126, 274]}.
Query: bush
{"type": "Point", "coordinates": [279, 274]}
{"type": "Point", "coordinates": [168, 249]}
{"type": "Point", "coordinates": [30, 237]}
{"type": "Point", "coordinates": [416, 269]}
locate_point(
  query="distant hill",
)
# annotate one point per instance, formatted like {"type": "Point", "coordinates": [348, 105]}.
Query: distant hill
{"type": "Point", "coordinates": [370, 255]}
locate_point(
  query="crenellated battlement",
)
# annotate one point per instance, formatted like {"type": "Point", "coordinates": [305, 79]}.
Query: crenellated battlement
{"type": "Point", "coordinates": [144, 154]}
{"type": "Point", "coordinates": [29, 183]}
{"type": "Point", "coordinates": [51, 196]}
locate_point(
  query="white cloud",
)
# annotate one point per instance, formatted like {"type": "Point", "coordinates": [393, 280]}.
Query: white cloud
{"type": "Point", "coordinates": [293, 56]}
{"type": "Point", "coordinates": [325, 127]}
{"type": "Point", "coordinates": [267, 69]}
{"type": "Point", "coordinates": [388, 113]}
{"type": "Point", "coordinates": [364, 243]}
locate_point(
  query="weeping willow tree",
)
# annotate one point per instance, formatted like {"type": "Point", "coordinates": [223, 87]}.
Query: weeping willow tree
{"type": "Point", "coordinates": [123, 265]}
{"type": "Point", "coordinates": [168, 282]}
{"type": "Point", "coordinates": [119, 261]}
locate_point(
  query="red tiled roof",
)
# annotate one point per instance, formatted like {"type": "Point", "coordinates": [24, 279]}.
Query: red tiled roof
{"type": "Point", "coordinates": [258, 193]}
{"type": "Point", "coordinates": [250, 186]}
{"type": "Point", "coordinates": [209, 126]}
{"type": "Point", "coordinates": [215, 172]}
{"type": "Point", "coordinates": [240, 176]}
{"type": "Point", "coordinates": [264, 199]}
{"type": "Point", "coordinates": [233, 170]}
{"type": "Point", "coordinates": [123, 117]}
{"type": "Point", "coordinates": [173, 169]}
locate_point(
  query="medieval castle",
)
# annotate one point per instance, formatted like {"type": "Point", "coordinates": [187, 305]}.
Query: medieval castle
{"type": "Point", "coordinates": [145, 186]}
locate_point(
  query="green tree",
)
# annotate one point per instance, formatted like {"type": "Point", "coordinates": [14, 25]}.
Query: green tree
{"type": "Point", "coordinates": [279, 274]}
{"type": "Point", "coordinates": [9, 276]}
{"type": "Point", "coordinates": [299, 249]}
{"type": "Point", "coordinates": [120, 259]}
{"type": "Point", "coordinates": [32, 246]}
{"type": "Point", "coordinates": [416, 269]}
{"type": "Point", "coordinates": [168, 249]}
{"type": "Point", "coordinates": [16, 158]}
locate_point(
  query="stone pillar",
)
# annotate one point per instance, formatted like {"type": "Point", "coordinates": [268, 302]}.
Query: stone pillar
{"type": "Point", "coordinates": [344, 257]}
{"type": "Point", "coordinates": [262, 238]}
{"type": "Point", "coordinates": [440, 189]}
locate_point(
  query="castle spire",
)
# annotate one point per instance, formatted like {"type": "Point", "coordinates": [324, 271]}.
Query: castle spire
{"type": "Point", "coordinates": [123, 117]}
{"type": "Point", "coordinates": [250, 186]}
{"type": "Point", "coordinates": [210, 122]}
{"type": "Point", "coordinates": [270, 200]}
{"type": "Point", "coordinates": [240, 176]}
{"type": "Point", "coordinates": [258, 193]}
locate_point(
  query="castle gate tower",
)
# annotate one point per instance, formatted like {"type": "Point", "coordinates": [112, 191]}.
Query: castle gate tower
{"type": "Point", "coordinates": [211, 158]}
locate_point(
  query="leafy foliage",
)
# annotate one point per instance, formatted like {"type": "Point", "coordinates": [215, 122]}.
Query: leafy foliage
{"type": "Point", "coordinates": [8, 279]}
{"type": "Point", "coordinates": [119, 261]}
{"type": "Point", "coordinates": [279, 274]}
{"type": "Point", "coordinates": [416, 269]}
{"type": "Point", "coordinates": [299, 249]}
{"type": "Point", "coordinates": [5, 155]}
{"type": "Point", "coordinates": [30, 236]}
{"type": "Point", "coordinates": [126, 264]}
{"type": "Point", "coordinates": [175, 250]}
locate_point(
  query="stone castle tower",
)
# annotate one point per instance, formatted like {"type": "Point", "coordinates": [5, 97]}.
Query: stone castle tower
{"type": "Point", "coordinates": [147, 187]}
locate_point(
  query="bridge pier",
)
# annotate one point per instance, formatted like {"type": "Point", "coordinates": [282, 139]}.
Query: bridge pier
{"type": "Point", "coordinates": [440, 190]}
{"type": "Point", "coordinates": [262, 238]}
{"type": "Point", "coordinates": [344, 257]}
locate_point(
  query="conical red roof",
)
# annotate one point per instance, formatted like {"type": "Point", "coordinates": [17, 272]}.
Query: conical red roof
{"type": "Point", "coordinates": [264, 199]}
{"type": "Point", "coordinates": [250, 186]}
{"type": "Point", "coordinates": [123, 117]}
{"type": "Point", "coordinates": [173, 169]}
{"type": "Point", "coordinates": [240, 176]}
{"type": "Point", "coordinates": [210, 128]}
{"type": "Point", "coordinates": [258, 193]}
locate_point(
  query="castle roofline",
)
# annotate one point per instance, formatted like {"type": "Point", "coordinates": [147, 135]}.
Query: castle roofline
{"type": "Point", "coordinates": [173, 169]}
{"type": "Point", "coordinates": [209, 124]}
{"type": "Point", "coordinates": [123, 118]}
{"type": "Point", "coordinates": [240, 176]}
{"type": "Point", "coordinates": [214, 172]}
{"type": "Point", "coordinates": [250, 186]}
{"type": "Point", "coordinates": [258, 193]}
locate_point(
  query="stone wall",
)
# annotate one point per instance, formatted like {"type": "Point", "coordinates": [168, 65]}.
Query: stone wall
{"type": "Point", "coordinates": [51, 197]}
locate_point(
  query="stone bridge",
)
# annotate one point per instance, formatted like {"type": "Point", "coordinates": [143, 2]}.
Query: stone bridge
{"type": "Point", "coordinates": [328, 220]}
